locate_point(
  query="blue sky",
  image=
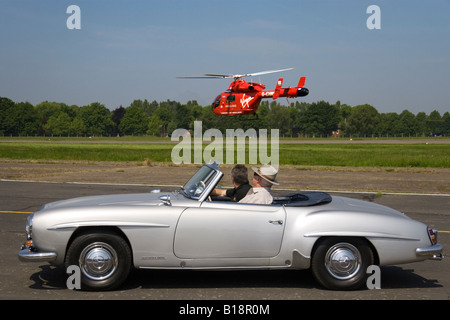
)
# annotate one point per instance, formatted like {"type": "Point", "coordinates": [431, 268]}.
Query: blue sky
{"type": "Point", "coordinates": [127, 50]}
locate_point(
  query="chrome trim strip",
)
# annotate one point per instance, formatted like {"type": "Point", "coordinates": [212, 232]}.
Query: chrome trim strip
{"type": "Point", "coordinates": [104, 223]}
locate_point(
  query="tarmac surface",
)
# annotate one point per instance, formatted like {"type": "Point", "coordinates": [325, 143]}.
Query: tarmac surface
{"type": "Point", "coordinates": [428, 280]}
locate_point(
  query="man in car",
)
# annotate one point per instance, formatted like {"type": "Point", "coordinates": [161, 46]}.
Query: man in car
{"type": "Point", "coordinates": [239, 178]}
{"type": "Point", "coordinates": [263, 179]}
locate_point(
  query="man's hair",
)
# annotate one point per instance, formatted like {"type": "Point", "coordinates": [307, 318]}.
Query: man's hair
{"type": "Point", "coordinates": [240, 174]}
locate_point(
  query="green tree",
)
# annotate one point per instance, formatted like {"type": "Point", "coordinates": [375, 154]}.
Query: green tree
{"type": "Point", "coordinates": [58, 124]}
{"type": "Point", "coordinates": [147, 107]}
{"type": "Point", "coordinates": [134, 122]}
{"type": "Point", "coordinates": [408, 125]}
{"type": "Point", "coordinates": [388, 124]}
{"type": "Point", "coordinates": [279, 118]}
{"type": "Point", "coordinates": [6, 107]}
{"type": "Point", "coordinates": [261, 118]}
{"type": "Point", "coordinates": [208, 118]}
{"type": "Point", "coordinates": [166, 115]}
{"type": "Point", "coordinates": [96, 118]}
{"type": "Point", "coordinates": [154, 126]}
{"type": "Point", "coordinates": [195, 109]}
{"type": "Point", "coordinates": [434, 122]}
{"type": "Point", "coordinates": [183, 117]}
{"type": "Point", "coordinates": [77, 127]}
{"type": "Point", "coordinates": [446, 124]}
{"type": "Point", "coordinates": [319, 119]}
{"type": "Point", "coordinates": [22, 119]}
{"type": "Point", "coordinates": [421, 118]}
{"type": "Point", "coordinates": [116, 117]}
{"type": "Point", "coordinates": [345, 112]}
{"type": "Point", "coordinates": [47, 109]}
{"type": "Point", "coordinates": [363, 121]}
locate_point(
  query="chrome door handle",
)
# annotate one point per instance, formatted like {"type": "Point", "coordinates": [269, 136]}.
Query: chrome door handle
{"type": "Point", "coordinates": [280, 222]}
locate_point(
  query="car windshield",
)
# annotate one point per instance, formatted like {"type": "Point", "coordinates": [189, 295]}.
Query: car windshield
{"type": "Point", "coordinates": [199, 181]}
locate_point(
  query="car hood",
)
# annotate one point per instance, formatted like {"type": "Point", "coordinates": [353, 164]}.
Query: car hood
{"type": "Point", "coordinates": [108, 200]}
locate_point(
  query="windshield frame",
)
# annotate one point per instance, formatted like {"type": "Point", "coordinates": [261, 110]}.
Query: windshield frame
{"type": "Point", "coordinates": [200, 185]}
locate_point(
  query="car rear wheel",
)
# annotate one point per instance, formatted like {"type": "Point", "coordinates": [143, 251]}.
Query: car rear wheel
{"type": "Point", "coordinates": [341, 263]}
{"type": "Point", "coordinates": [104, 260]}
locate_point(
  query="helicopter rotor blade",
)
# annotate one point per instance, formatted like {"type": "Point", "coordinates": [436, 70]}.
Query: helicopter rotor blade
{"type": "Point", "coordinates": [200, 77]}
{"type": "Point", "coordinates": [210, 76]}
{"type": "Point", "coordinates": [221, 76]}
{"type": "Point", "coordinates": [235, 76]}
{"type": "Point", "coordinates": [265, 72]}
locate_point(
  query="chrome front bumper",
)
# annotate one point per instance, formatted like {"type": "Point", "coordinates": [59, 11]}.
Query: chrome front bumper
{"type": "Point", "coordinates": [433, 252]}
{"type": "Point", "coordinates": [27, 255]}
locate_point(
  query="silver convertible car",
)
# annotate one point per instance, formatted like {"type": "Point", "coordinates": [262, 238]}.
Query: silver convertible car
{"type": "Point", "coordinates": [336, 237]}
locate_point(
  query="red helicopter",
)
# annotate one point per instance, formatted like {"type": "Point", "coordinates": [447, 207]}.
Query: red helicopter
{"type": "Point", "coordinates": [243, 98]}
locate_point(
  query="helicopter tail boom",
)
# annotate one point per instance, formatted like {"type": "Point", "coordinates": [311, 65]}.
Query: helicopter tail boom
{"type": "Point", "coordinates": [290, 92]}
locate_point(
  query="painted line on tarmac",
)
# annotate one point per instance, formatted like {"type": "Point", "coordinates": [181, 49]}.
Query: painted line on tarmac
{"type": "Point", "coordinates": [97, 183]}
{"type": "Point", "coordinates": [24, 212]}
{"type": "Point", "coordinates": [380, 193]}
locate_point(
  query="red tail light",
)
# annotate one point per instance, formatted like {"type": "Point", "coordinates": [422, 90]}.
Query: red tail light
{"type": "Point", "coordinates": [432, 234]}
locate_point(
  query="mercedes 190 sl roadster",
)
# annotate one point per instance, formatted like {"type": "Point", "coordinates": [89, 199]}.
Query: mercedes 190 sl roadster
{"type": "Point", "coordinates": [337, 238]}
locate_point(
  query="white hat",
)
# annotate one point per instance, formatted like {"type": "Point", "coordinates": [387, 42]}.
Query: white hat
{"type": "Point", "coordinates": [267, 172]}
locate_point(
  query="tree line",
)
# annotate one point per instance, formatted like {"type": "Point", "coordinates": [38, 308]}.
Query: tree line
{"type": "Point", "coordinates": [141, 117]}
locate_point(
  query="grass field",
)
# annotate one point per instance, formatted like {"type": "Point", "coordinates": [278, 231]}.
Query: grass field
{"type": "Point", "coordinates": [310, 154]}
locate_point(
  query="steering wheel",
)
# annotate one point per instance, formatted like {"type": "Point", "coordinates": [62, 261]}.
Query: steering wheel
{"type": "Point", "coordinates": [200, 188]}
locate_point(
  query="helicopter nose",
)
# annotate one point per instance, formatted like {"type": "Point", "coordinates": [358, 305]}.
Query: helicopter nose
{"type": "Point", "coordinates": [301, 92]}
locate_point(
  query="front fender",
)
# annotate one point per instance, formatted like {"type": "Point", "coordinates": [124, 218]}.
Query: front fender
{"type": "Point", "coordinates": [53, 229]}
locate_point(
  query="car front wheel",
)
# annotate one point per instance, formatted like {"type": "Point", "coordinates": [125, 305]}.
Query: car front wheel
{"type": "Point", "coordinates": [104, 260]}
{"type": "Point", "coordinates": [341, 263]}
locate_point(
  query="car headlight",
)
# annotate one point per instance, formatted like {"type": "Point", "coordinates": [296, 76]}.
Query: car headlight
{"type": "Point", "coordinates": [29, 226]}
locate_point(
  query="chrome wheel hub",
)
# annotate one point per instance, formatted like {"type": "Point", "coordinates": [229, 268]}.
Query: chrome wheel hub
{"type": "Point", "coordinates": [98, 261]}
{"type": "Point", "coordinates": [343, 261]}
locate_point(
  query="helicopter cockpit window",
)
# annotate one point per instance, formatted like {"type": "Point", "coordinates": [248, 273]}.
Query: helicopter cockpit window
{"type": "Point", "coordinates": [231, 98]}
{"type": "Point", "coordinates": [216, 102]}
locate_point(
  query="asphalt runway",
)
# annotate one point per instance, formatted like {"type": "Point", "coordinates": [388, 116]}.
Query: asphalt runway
{"type": "Point", "coordinates": [428, 280]}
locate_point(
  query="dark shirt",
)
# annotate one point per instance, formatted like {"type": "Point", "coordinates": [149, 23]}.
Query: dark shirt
{"type": "Point", "coordinates": [236, 194]}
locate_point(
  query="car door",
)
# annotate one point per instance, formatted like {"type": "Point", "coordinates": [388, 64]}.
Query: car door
{"type": "Point", "coordinates": [229, 230]}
